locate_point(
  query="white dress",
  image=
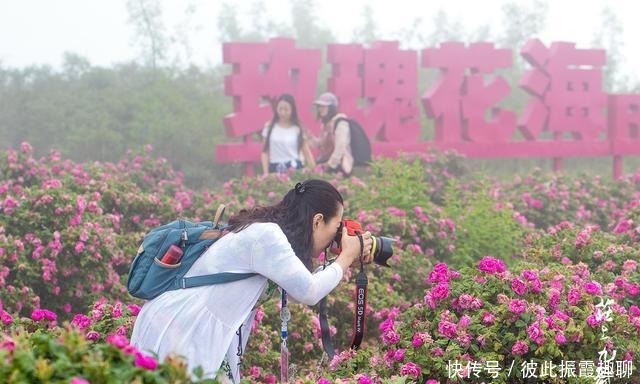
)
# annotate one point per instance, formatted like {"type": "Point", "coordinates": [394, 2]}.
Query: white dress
{"type": "Point", "coordinates": [201, 323]}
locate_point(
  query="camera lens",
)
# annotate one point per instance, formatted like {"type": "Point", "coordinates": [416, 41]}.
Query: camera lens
{"type": "Point", "coordinates": [382, 250]}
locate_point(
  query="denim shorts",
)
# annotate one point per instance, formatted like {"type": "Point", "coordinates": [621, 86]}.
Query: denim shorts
{"type": "Point", "coordinates": [284, 167]}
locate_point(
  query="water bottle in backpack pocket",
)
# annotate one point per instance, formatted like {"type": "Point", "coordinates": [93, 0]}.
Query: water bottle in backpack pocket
{"type": "Point", "coordinates": [149, 276]}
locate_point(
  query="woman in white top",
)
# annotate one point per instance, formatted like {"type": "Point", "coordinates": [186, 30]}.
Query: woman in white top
{"type": "Point", "coordinates": [207, 324]}
{"type": "Point", "coordinates": [284, 141]}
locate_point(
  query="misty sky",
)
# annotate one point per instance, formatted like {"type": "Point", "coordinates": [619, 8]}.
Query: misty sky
{"type": "Point", "coordinates": [40, 31]}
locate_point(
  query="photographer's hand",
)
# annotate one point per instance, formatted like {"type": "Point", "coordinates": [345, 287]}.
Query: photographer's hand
{"type": "Point", "coordinates": [367, 257]}
{"type": "Point", "coordinates": [351, 249]}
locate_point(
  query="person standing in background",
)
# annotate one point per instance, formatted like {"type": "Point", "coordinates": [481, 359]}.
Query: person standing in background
{"type": "Point", "coordinates": [334, 141]}
{"type": "Point", "coordinates": [284, 139]}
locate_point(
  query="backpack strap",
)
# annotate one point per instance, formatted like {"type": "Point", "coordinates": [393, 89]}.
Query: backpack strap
{"type": "Point", "coordinates": [338, 120]}
{"type": "Point", "coordinates": [216, 278]}
{"type": "Point", "coordinates": [218, 216]}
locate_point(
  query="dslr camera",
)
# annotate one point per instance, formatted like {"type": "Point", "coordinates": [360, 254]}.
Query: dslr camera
{"type": "Point", "coordinates": [381, 250]}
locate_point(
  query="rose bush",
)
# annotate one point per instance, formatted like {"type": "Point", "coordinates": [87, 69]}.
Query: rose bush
{"type": "Point", "coordinates": [561, 245]}
{"type": "Point", "coordinates": [493, 316]}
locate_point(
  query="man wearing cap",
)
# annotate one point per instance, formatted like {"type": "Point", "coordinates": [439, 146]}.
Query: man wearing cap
{"type": "Point", "coordinates": [334, 142]}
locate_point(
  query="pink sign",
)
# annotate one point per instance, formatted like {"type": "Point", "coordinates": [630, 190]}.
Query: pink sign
{"type": "Point", "coordinates": [378, 86]}
{"type": "Point", "coordinates": [261, 72]}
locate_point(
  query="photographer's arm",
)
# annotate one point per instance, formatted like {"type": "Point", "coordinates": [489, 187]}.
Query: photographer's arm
{"type": "Point", "coordinates": [273, 258]}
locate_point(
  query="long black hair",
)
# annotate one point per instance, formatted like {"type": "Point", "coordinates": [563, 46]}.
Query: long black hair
{"type": "Point", "coordinates": [295, 120]}
{"type": "Point", "coordinates": [294, 214]}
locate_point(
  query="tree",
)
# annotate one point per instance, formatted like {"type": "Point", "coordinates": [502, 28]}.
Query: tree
{"type": "Point", "coordinates": [228, 25]}
{"type": "Point", "coordinates": [146, 17]}
{"type": "Point", "coordinates": [74, 65]}
{"type": "Point", "coordinates": [306, 28]}
{"type": "Point", "coordinates": [368, 31]}
{"type": "Point", "coordinates": [262, 27]}
{"type": "Point", "coordinates": [180, 37]}
{"type": "Point", "coordinates": [444, 30]}
{"type": "Point", "coordinates": [521, 24]}
{"type": "Point", "coordinates": [609, 37]}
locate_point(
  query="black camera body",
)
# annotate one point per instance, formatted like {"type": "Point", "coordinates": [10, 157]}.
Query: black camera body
{"type": "Point", "coordinates": [381, 249]}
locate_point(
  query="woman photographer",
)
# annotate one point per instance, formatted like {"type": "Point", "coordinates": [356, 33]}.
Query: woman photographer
{"type": "Point", "coordinates": [209, 325]}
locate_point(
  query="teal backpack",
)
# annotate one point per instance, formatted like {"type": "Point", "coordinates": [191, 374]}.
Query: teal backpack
{"type": "Point", "coordinates": [149, 277]}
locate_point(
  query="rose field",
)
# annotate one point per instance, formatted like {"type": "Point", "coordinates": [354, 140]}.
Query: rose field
{"type": "Point", "coordinates": [533, 279]}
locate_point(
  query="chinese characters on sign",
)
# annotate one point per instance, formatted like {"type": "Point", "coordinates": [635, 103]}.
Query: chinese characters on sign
{"type": "Point", "coordinates": [568, 114]}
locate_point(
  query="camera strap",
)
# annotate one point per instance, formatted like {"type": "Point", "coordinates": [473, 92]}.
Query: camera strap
{"type": "Point", "coordinates": [285, 316]}
{"type": "Point", "coordinates": [360, 311]}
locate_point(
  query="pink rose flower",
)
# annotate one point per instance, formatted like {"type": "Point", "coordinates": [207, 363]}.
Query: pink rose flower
{"type": "Point", "coordinates": [417, 341]}
{"type": "Point", "coordinates": [5, 317]}
{"type": "Point", "coordinates": [81, 321]}
{"type": "Point", "coordinates": [573, 297]}
{"type": "Point", "coordinates": [448, 329]}
{"type": "Point", "coordinates": [491, 265]}
{"type": "Point", "coordinates": [43, 314]}
{"type": "Point", "coordinates": [632, 289]}
{"type": "Point", "coordinates": [130, 350]}
{"type": "Point", "coordinates": [386, 324]}
{"type": "Point", "coordinates": [440, 291]}
{"type": "Point", "coordinates": [134, 309]}
{"type": "Point", "coordinates": [146, 362]}
{"type": "Point", "coordinates": [439, 274]}
{"type": "Point", "coordinates": [517, 306]}
{"type": "Point", "coordinates": [560, 338]}
{"type": "Point", "coordinates": [519, 348]}
{"type": "Point", "coordinates": [529, 275]}
{"type": "Point", "coordinates": [117, 340]}
{"type": "Point", "coordinates": [390, 336]}
{"type": "Point", "coordinates": [623, 226]}
{"type": "Point", "coordinates": [594, 321]}
{"type": "Point", "coordinates": [518, 286]}
{"type": "Point", "coordinates": [535, 333]}
{"type": "Point", "coordinates": [8, 343]}
{"type": "Point", "coordinates": [535, 285]}
{"type": "Point", "coordinates": [464, 321]}
{"type": "Point", "coordinates": [593, 288]}
{"type": "Point", "coordinates": [488, 318]}
{"type": "Point", "coordinates": [410, 369]}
